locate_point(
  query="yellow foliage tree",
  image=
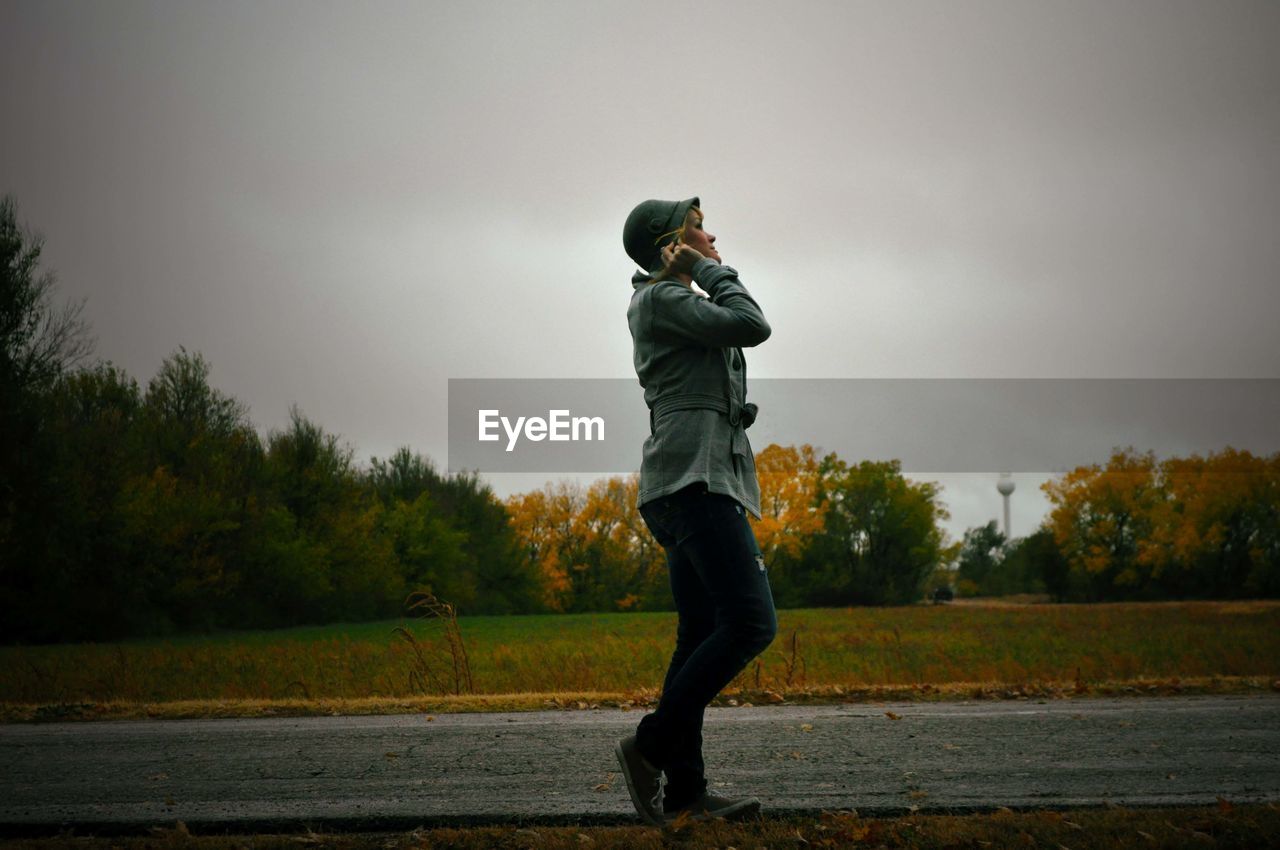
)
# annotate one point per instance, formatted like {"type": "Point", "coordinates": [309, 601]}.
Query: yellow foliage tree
{"type": "Point", "coordinates": [788, 485]}
{"type": "Point", "coordinates": [591, 547]}
{"type": "Point", "coordinates": [1193, 526]}
{"type": "Point", "coordinates": [629, 562]}
{"type": "Point", "coordinates": [1216, 531]}
{"type": "Point", "coordinates": [1100, 518]}
{"type": "Point", "coordinates": [543, 521]}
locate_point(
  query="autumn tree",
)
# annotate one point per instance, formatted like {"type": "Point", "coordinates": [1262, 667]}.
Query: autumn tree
{"type": "Point", "coordinates": [544, 523]}
{"type": "Point", "coordinates": [1101, 518]}
{"type": "Point", "coordinates": [618, 567]}
{"type": "Point", "coordinates": [591, 547]}
{"type": "Point", "coordinates": [648, 586]}
{"type": "Point", "coordinates": [1216, 530]}
{"type": "Point", "coordinates": [790, 513]}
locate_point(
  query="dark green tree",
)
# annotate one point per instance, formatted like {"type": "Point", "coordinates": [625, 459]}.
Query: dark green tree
{"type": "Point", "coordinates": [184, 513]}
{"type": "Point", "coordinates": [89, 587]}
{"type": "Point", "coordinates": [1033, 564]}
{"type": "Point", "coordinates": [335, 565]}
{"type": "Point", "coordinates": [39, 342]}
{"type": "Point", "coordinates": [880, 540]}
{"type": "Point", "coordinates": [980, 555]}
{"type": "Point", "coordinates": [491, 575]}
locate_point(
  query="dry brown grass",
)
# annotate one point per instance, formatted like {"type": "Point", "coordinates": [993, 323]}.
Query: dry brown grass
{"type": "Point", "coordinates": [1224, 825]}
{"type": "Point", "coordinates": [626, 701]}
{"type": "Point", "coordinates": [973, 649]}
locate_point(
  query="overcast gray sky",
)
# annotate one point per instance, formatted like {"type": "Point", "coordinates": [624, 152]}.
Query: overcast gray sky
{"type": "Point", "coordinates": [344, 205]}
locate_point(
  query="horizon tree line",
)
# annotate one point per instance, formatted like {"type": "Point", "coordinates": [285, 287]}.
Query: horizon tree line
{"type": "Point", "coordinates": [131, 511]}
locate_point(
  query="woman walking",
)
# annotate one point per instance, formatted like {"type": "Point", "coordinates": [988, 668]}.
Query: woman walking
{"type": "Point", "coordinates": [697, 483]}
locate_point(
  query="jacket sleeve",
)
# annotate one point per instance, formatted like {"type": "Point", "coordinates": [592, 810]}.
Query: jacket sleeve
{"type": "Point", "coordinates": [729, 318]}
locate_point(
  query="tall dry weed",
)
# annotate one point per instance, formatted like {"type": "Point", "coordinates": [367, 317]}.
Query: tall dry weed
{"type": "Point", "coordinates": [425, 674]}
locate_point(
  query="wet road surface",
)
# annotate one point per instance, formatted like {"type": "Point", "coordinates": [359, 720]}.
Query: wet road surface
{"type": "Point", "coordinates": [403, 771]}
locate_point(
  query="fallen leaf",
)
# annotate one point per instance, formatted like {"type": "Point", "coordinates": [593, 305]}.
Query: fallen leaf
{"type": "Point", "coordinates": [852, 833]}
{"type": "Point", "coordinates": [892, 716]}
{"type": "Point", "coordinates": [681, 821]}
{"type": "Point", "coordinates": [806, 727]}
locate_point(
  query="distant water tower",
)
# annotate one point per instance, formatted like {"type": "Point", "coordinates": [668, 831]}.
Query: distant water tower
{"type": "Point", "coordinates": [1005, 485]}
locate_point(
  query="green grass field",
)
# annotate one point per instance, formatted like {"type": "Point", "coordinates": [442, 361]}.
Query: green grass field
{"type": "Point", "coordinates": [848, 649]}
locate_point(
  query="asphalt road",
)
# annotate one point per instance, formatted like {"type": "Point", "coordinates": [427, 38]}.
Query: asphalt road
{"type": "Point", "coordinates": [400, 772]}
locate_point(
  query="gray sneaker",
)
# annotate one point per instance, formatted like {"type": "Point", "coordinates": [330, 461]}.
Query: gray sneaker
{"type": "Point", "coordinates": [708, 806]}
{"type": "Point", "coordinates": [644, 781]}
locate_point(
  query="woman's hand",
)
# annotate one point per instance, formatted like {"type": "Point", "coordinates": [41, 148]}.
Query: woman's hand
{"type": "Point", "coordinates": [680, 259]}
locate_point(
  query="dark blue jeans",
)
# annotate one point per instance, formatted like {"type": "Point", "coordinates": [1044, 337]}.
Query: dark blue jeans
{"type": "Point", "coordinates": [725, 618]}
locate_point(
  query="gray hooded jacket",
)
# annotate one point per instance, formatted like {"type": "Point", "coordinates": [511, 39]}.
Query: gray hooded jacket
{"type": "Point", "coordinates": [688, 357]}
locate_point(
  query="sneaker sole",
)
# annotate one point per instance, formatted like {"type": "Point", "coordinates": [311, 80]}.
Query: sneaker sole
{"type": "Point", "coordinates": [631, 789]}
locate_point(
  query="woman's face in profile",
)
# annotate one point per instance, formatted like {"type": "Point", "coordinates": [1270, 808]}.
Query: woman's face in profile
{"type": "Point", "coordinates": [699, 239]}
